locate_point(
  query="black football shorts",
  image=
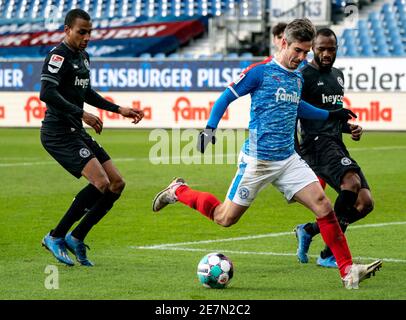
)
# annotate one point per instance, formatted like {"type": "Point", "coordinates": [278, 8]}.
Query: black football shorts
{"type": "Point", "coordinates": [72, 150]}
{"type": "Point", "coordinates": [330, 160]}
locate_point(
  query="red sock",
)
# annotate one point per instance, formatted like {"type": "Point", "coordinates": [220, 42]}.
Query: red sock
{"type": "Point", "coordinates": [335, 239]}
{"type": "Point", "coordinates": [203, 202]}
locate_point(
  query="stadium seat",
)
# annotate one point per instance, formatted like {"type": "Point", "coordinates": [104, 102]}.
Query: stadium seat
{"type": "Point", "coordinates": [352, 51]}
{"type": "Point", "coordinates": [159, 55]}
{"type": "Point", "coordinates": [382, 51]}
{"type": "Point", "coordinates": [145, 55]}
{"type": "Point", "coordinates": [246, 55]}
{"type": "Point", "coordinates": [232, 55]}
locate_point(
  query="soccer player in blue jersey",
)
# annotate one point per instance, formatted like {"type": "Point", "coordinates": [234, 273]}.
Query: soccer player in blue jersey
{"type": "Point", "coordinates": [268, 155]}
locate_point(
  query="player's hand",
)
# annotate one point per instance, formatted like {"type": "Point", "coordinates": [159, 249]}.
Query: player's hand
{"type": "Point", "coordinates": [93, 121]}
{"type": "Point", "coordinates": [356, 132]}
{"type": "Point", "coordinates": [134, 114]}
{"type": "Point", "coordinates": [341, 114]}
{"type": "Point", "coordinates": [205, 136]}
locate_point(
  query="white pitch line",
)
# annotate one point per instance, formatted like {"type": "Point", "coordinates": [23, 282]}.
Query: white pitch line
{"type": "Point", "coordinates": [172, 159]}
{"type": "Point", "coordinates": [261, 253]}
{"type": "Point", "coordinates": [266, 235]}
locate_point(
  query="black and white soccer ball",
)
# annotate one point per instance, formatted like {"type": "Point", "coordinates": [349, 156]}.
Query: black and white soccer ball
{"type": "Point", "coordinates": [215, 270]}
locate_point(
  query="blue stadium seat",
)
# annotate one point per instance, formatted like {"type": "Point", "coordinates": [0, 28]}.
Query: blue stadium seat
{"type": "Point", "coordinates": [232, 55]}
{"type": "Point", "coordinates": [159, 55]}
{"type": "Point", "coordinates": [145, 55]}
{"type": "Point", "coordinates": [374, 16]}
{"type": "Point", "coordinates": [398, 51]}
{"type": "Point", "coordinates": [351, 51]}
{"type": "Point", "coordinates": [219, 56]}
{"type": "Point", "coordinates": [367, 50]}
{"type": "Point", "coordinates": [247, 55]}
{"type": "Point", "coordinates": [174, 56]}
{"type": "Point", "coordinates": [383, 51]}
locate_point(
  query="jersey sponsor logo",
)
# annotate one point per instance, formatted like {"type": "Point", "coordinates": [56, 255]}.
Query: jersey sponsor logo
{"type": "Point", "coordinates": [56, 60]}
{"type": "Point", "coordinates": [282, 95]}
{"type": "Point", "coordinates": [332, 98]}
{"type": "Point", "coordinates": [346, 161]}
{"type": "Point", "coordinates": [340, 81]}
{"type": "Point", "coordinates": [81, 82]}
{"type": "Point", "coordinates": [53, 70]}
{"type": "Point", "coordinates": [243, 193]}
{"type": "Point", "coordinates": [84, 152]}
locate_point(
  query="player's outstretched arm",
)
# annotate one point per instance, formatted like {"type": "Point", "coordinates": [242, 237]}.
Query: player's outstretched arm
{"type": "Point", "coordinates": [308, 111]}
{"type": "Point", "coordinates": [96, 100]}
{"type": "Point", "coordinates": [220, 106]}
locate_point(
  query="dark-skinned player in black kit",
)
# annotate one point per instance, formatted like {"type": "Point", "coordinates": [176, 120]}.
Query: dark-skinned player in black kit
{"type": "Point", "coordinates": [321, 145]}
{"type": "Point", "coordinates": [65, 87]}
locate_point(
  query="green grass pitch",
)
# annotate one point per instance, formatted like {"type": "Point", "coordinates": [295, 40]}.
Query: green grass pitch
{"type": "Point", "coordinates": [35, 192]}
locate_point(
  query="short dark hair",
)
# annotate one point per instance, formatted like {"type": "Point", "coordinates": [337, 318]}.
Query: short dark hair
{"type": "Point", "coordinates": [327, 32]}
{"type": "Point", "coordinates": [299, 30]}
{"type": "Point", "coordinates": [279, 28]}
{"type": "Point", "coordinates": [73, 14]}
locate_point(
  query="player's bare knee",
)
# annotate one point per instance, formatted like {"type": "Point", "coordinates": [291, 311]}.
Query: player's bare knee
{"type": "Point", "coordinates": [225, 222]}
{"type": "Point", "coordinates": [351, 182]}
{"type": "Point", "coordinates": [117, 186]}
{"type": "Point", "coordinates": [322, 206]}
{"type": "Point", "coordinates": [102, 184]}
{"type": "Point", "coordinates": [366, 207]}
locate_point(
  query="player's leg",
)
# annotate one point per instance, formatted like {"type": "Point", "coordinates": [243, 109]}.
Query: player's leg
{"type": "Point", "coordinates": [299, 183]}
{"type": "Point", "coordinates": [313, 197]}
{"type": "Point", "coordinates": [69, 150]}
{"type": "Point", "coordinates": [225, 214]}
{"type": "Point", "coordinates": [97, 176]}
{"type": "Point", "coordinates": [351, 274]}
{"type": "Point", "coordinates": [243, 189]}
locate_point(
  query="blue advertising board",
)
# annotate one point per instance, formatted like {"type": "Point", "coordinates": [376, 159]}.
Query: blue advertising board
{"type": "Point", "coordinates": [134, 75]}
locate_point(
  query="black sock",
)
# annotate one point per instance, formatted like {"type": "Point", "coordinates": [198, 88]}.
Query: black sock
{"type": "Point", "coordinates": [95, 214]}
{"type": "Point", "coordinates": [85, 199]}
{"type": "Point", "coordinates": [344, 203]}
{"type": "Point", "coordinates": [312, 228]}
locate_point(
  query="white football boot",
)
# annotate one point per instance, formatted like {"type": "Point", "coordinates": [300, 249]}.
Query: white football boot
{"type": "Point", "coordinates": [360, 272]}
{"type": "Point", "coordinates": [167, 195]}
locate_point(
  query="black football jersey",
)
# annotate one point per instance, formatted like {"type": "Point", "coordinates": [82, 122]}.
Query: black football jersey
{"type": "Point", "coordinates": [324, 90]}
{"type": "Point", "coordinates": [70, 71]}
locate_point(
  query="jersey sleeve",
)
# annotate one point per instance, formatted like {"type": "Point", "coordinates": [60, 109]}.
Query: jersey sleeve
{"type": "Point", "coordinates": [54, 67]}
{"type": "Point", "coordinates": [308, 111]}
{"type": "Point", "coordinates": [248, 81]}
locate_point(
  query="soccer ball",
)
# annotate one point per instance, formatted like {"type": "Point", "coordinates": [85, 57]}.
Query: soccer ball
{"type": "Point", "coordinates": [215, 270]}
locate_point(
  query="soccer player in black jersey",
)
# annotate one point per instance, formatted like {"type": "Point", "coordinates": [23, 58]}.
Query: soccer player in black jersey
{"type": "Point", "coordinates": [321, 145]}
{"type": "Point", "coordinates": [65, 86]}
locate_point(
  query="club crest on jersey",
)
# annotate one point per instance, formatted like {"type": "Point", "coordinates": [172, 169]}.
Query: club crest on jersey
{"type": "Point", "coordinates": [87, 65]}
{"type": "Point", "coordinates": [346, 161]}
{"type": "Point", "coordinates": [243, 193]}
{"type": "Point", "coordinates": [56, 60]}
{"type": "Point", "coordinates": [340, 81]}
{"type": "Point", "coordinates": [84, 152]}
